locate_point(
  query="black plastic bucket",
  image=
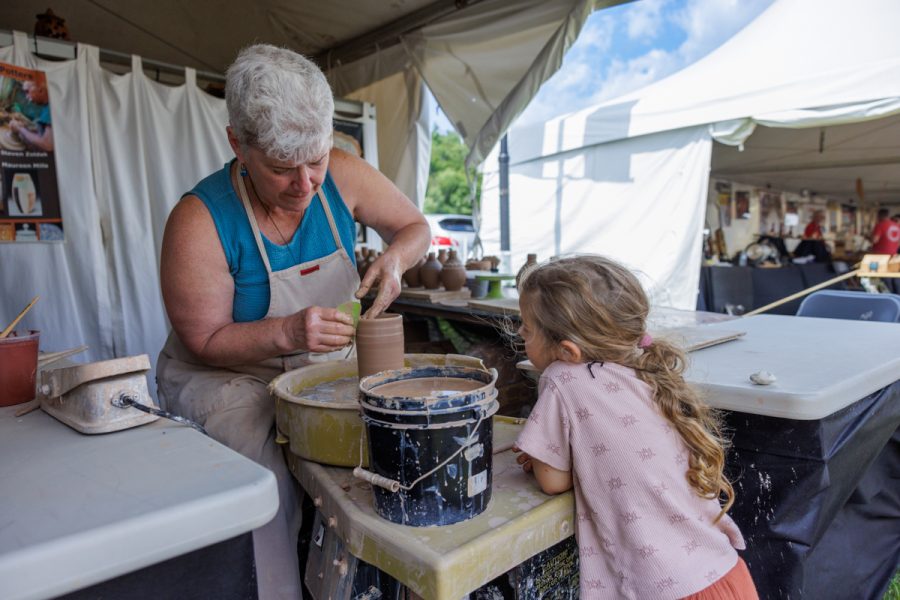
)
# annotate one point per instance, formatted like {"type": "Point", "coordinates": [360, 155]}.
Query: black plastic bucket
{"type": "Point", "coordinates": [409, 437]}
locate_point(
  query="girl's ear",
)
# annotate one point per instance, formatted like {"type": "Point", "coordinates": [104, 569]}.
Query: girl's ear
{"type": "Point", "coordinates": [569, 352]}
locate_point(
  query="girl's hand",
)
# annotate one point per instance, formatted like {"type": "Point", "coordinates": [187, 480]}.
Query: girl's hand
{"type": "Point", "coordinates": [523, 459]}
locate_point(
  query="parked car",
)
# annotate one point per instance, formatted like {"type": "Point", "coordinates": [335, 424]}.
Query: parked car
{"type": "Point", "coordinates": [452, 231]}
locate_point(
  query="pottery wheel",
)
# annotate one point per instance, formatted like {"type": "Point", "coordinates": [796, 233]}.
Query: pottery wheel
{"type": "Point", "coordinates": [10, 140]}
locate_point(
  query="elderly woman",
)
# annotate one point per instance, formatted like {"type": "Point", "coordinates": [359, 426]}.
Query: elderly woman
{"type": "Point", "coordinates": [256, 258]}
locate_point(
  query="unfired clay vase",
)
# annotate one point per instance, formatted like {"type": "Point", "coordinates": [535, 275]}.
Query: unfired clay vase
{"type": "Point", "coordinates": [442, 255]}
{"type": "Point", "coordinates": [430, 273]}
{"type": "Point", "coordinates": [411, 276]}
{"type": "Point", "coordinates": [529, 262]}
{"type": "Point", "coordinates": [453, 274]}
{"type": "Point", "coordinates": [379, 344]}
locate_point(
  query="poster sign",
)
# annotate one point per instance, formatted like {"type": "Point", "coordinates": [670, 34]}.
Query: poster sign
{"type": "Point", "coordinates": [29, 195]}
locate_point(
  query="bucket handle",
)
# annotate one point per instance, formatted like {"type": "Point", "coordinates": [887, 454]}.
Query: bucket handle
{"type": "Point", "coordinates": [394, 486]}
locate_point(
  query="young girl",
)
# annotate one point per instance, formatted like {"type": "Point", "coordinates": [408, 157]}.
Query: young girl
{"type": "Point", "coordinates": [616, 420]}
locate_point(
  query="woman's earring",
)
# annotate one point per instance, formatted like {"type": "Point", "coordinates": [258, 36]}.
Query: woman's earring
{"type": "Point", "coordinates": [243, 170]}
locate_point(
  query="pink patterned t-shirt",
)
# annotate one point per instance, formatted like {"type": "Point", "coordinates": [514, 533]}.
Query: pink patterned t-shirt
{"type": "Point", "coordinates": [642, 530]}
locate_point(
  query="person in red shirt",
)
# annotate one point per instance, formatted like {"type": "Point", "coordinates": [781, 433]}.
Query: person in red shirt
{"type": "Point", "coordinates": [813, 230]}
{"type": "Point", "coordinates": [886, 235]}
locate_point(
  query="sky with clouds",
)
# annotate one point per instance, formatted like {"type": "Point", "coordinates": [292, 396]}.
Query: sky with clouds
{"type": "Point", "coordinates": [626, 47]}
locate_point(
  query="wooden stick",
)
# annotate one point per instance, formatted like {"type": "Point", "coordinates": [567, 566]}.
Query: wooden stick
{"type": "Point", "coordinates": [802, 293]}
{"type": "Point", "coordinates": [52, 357]}
{"type": "Point", "coordinates": [30, 407]}
{"type": "Point", "coordinates": [15, 322]}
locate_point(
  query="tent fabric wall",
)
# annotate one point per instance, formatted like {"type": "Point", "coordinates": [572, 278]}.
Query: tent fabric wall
{"type": "Point", "coordinates": [404, 129]}
{"type": "Point", "coordinates": [640, 201]}
{"type": "Point", "coordinates": [127, 148]}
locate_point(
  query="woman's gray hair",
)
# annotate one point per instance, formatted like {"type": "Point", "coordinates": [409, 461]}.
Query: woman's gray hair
{"type": "Point", "coordinates": [281, 103]}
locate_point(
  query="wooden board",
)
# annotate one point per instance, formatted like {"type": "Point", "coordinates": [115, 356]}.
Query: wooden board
{"type": "Point", "coordinates": [434, 296]}
{"type": "Point", "coordinates": [698, 337]}
{"type": "Point", "coordinates": [502, 306]}
{"type": "Point", "coordinates": [689, 338]}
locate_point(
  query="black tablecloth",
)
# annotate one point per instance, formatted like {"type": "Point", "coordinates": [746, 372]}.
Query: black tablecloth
{"type": "Point", "coordinates": [819, 501]}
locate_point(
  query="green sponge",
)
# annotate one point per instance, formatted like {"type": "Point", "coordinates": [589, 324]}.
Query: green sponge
{"type": "Point", "coordinates": [352, 308]}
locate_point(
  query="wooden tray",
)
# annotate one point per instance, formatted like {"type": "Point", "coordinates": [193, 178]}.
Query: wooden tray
{"type": "Point", "coordinates": [434, 296]}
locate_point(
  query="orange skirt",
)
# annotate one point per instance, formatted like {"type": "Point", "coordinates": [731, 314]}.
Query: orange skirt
{"type": "Point", "coordinates": [735, 585]}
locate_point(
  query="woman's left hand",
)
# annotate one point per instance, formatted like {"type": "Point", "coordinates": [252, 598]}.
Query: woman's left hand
{"type": "Point", "coordinates": [386, 271]}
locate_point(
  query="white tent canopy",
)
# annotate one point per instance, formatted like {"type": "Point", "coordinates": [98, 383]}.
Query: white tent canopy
{"type": "Point", "coordinates": [629, 177]}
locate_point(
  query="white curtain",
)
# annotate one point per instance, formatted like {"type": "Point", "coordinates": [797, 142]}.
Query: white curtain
{"type": "Point", "coordinates": [127, 148]}
{"type": "Point", "coordinates": [640, 201]}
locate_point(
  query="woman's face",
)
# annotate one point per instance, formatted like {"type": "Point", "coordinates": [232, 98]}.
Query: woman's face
{"type": "Point", "coordinates": [539, 350]}
{"type": "Point", "coordinates": [284, 185]}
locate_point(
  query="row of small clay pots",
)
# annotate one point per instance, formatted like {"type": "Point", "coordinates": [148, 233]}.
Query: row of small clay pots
{"type": "Point", "coordinates": [431, 273]}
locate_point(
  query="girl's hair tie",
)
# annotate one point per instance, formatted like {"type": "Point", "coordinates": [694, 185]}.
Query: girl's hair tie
{"type": "Point", "coordinates": [645, 341]}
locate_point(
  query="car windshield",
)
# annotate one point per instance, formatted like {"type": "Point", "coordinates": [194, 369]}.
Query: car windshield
{"type": "Point", "coordinates": [456, 224]}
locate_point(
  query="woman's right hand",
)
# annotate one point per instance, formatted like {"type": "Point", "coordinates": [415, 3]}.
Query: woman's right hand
{"type": "Point", "coordinates": [318, 329]}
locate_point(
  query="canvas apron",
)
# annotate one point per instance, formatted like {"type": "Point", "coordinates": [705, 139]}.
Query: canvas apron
{"type": "Point", "coordinates": [235, 408]}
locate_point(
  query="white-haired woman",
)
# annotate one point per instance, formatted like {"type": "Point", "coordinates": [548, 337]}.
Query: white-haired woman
{"type": "Point", "coordinates": [255, 260]}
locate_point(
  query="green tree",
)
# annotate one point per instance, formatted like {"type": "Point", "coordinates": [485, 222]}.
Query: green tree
{"type": "Point", "coordinates": [448, 190]}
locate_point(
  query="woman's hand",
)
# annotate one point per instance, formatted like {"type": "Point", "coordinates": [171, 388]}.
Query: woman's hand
{"type": "Point", "coordinates": [318, 329]}
{"type": "Point", "coordinates": [386, 271]}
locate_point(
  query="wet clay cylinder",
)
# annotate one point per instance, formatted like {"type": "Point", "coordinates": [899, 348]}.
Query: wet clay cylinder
{"type": "Point", "coordinates": [379, 344]}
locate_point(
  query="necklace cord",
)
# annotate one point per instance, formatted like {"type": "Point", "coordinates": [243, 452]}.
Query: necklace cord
{"type": "Point", "coordinates": [284, 242]}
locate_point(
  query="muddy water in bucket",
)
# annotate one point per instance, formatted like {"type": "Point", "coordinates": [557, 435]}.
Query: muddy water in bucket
{"type": "Point", "coordinates": [429, 430]}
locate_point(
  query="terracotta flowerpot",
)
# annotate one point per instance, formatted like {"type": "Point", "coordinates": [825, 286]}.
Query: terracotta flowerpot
{"type": "Point", "coordinates": [18, 367]}
{"type": "Point", "coordinates": [453, 274]}
{"type": "Point", "coordinates": [379, 344]}
{"type": "Point", "coordinates": [430, 273]}
{"type": "Point", "coordinates": [412, 275]}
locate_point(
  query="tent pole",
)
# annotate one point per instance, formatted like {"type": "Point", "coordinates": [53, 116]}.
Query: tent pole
{"type": "Point", "coordinates": [504, 198]}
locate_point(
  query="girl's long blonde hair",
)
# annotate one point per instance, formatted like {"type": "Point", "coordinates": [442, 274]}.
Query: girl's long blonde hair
{"type": "Point", "coordinates": [600, 306]}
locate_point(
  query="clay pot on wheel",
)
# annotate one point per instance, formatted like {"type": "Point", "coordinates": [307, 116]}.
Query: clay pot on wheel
{"type": "Point", "coordinates": [430, 273]}
{"type": "Point", "coordinates": [379, 344]}
{"type": "Point", "coordinates": [412, 275]}
{"type": "Point", "coordinates": [453, 275]}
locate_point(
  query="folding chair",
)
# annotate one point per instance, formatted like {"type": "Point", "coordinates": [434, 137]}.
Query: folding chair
{"type": "Point", "coordinates": [857, 306]}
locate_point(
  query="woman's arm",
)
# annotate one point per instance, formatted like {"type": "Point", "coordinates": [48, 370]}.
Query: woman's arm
{"type": "Point", "coordinates": [198, 292]}
{"type": "Point", "coordinates": [376, 202]}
